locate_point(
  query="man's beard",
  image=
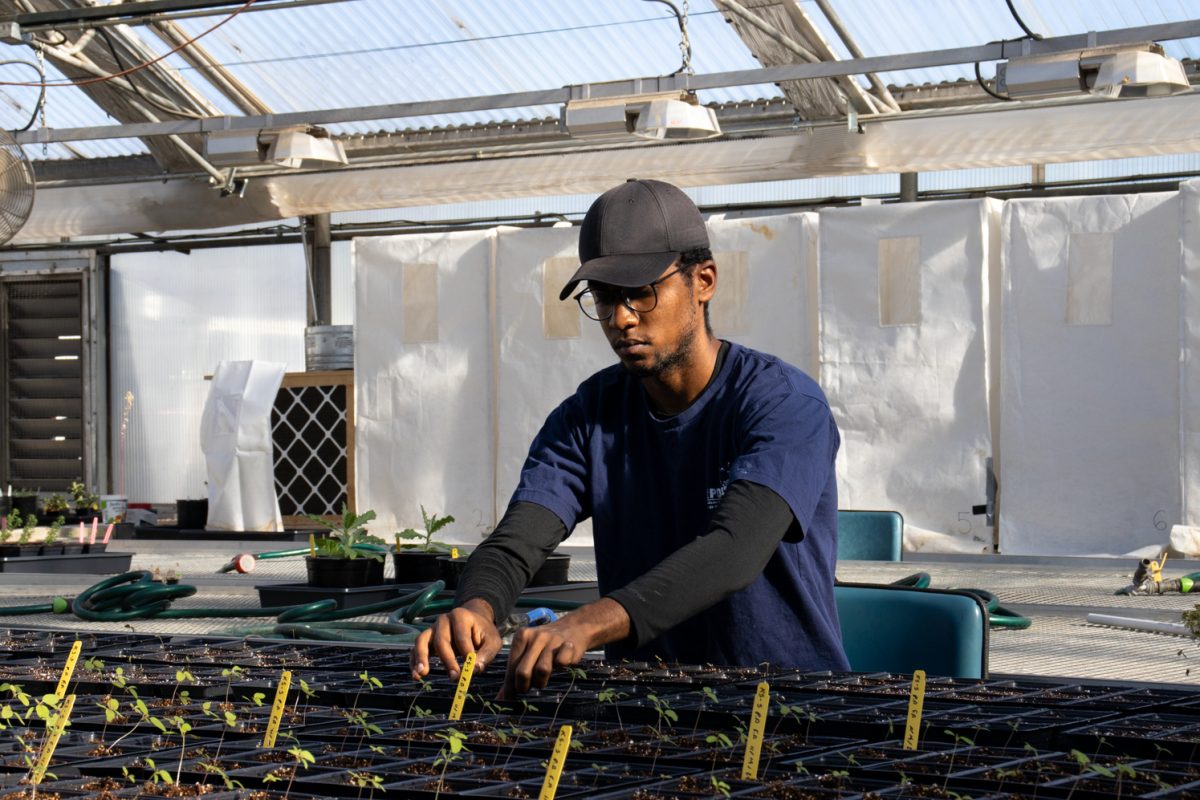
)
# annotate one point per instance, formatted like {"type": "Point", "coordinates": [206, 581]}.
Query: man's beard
{"type": "Point", "coordinates": [668, 362]}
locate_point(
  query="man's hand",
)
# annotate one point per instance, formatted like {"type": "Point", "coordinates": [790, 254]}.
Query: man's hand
{"type": "Point", "coordinates": [536, 652]}
{"type": "Point", "coordinates": [466, 629]}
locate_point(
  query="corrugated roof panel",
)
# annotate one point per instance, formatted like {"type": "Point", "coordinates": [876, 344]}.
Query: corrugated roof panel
{"type": "Point", "coordinates": [885, 27]}
{"type": "Point", "coordinates": [377, 51]}
{"type": "Point", "coordinates": [66, 107]}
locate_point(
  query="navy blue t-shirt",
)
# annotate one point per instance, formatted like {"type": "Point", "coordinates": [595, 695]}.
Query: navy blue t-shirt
{"type": "Point", "coordinates": [651, 485]}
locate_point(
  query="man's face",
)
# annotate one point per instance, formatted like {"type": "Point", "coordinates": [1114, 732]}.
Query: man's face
{"type": "Point", "coordinates": [653, 342]}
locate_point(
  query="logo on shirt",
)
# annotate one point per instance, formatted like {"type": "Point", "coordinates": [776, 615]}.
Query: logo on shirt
{"type": "Point", "coordinates": [717, 493]}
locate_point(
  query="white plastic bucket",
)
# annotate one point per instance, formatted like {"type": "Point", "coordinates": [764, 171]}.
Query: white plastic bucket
{"type": "Point", "coordinates": [113, 507]}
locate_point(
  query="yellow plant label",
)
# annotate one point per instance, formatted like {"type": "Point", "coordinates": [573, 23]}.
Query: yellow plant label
{"type": "Point", "coordinates": [754, 738]}
{"type": "Point", "coordinates": [454, 552]}
{"type": "Point", "coordinates": [68, 669]}
{"type": "Point", "coordinates": [916, 701]}
{"type": "Point", "coordinates": [312, 545]}
{"type": "Point", "coordinates": [558, 759]}
{"type": "Point", "coordinates": [285, 682]}
{"type": "Point", "coordinates": [52, 737]}
{"type": "Point", "coordinates": [464, 683]}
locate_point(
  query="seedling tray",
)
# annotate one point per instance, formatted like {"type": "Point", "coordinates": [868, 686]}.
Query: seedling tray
{"type": "Point", "coordinates": [76, 563]}
{"type": "Point", "coordinates": [171, 533]}
{"type": "Point", "coordinates": [290, 594]}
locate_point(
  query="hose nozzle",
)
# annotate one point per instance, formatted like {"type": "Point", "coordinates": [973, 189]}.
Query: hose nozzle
{"type": "Point", "coordinates": [241, 563]}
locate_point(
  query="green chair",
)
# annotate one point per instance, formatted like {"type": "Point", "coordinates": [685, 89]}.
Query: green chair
{"type": "Point", "coordinates": [870, 535]}
{"type": "Point", "coordinates": [900, 629]}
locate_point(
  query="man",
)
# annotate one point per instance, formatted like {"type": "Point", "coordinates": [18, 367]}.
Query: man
{"type": "Point", "coordinates": [707, 469]}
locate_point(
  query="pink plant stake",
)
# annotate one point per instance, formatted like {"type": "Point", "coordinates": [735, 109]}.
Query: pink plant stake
{"type": "Point", "coordinates": [3, 524]}
{"type": "Point", "coordinates": [108, 533]}
{"type": "Point", "coordinates": [95, 522]}
{"type": "Point", "coordinates": [82, 532]}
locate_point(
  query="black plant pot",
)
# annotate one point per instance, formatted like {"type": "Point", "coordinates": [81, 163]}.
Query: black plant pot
{"type": "Point", "coordinates": [340, 573]}
{"type": "Point", "coordinates": [73, 517]}
{"type": "Point", "coordinates": [451, 569]}
{"type": "Point", "coordinates": [192, 514]}
{"type": "Point", "coordinates": [416, 566]}
{"type": "Point", "coordinates": [553, 572]}
{"type": "Point", "coordinates": [26, 504]}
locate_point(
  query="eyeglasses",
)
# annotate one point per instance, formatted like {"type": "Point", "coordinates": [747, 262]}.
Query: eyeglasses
{"type": "Point", "coordinates": [601, 303]}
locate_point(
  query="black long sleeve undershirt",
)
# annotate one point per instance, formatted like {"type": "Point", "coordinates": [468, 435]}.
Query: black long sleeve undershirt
{"type": "Point", "coordinates": [743, 533]}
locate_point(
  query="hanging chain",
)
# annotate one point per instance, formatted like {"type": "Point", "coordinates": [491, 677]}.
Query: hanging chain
{"type": "Point", "coordinates": [41, 60]}
{"type": "Point", "coordinates": [685, 43]}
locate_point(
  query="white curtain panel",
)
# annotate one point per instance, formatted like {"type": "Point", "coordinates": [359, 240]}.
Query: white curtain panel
{"type": "Point", "coordinates": [544, 347]}
{"type": "Point", "coordinates": [1189, 197]}
{"type": "Point", "coordinates": [1090, 414]}
{"type": "Point", "coordinates": [547, 347]}
{"type": "Point", "coordinates": [904, 299]}
{"type": "Point", "coordinates": [174, 317]}
{"type": "Point", "coordinates": [422, 380]}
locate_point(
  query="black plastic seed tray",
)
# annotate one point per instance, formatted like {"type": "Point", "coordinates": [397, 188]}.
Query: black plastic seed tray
{"type": "Point", "coordinates": [75, 564]}
{"type": "Point", "coordinates": [292, 594]}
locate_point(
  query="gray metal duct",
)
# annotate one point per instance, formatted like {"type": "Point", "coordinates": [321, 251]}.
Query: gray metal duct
{"type": "Point", "coordinates": [1007, 135]}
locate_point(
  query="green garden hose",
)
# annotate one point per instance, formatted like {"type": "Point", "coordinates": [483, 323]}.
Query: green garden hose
{"type": "Point", "coordinates": [136, 595]}
{"type": "Point", "coordinates": [998, 615]}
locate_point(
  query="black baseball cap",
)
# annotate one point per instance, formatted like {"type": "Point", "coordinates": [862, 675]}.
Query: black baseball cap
{"type": "Point", "coordinates": [635, 231]}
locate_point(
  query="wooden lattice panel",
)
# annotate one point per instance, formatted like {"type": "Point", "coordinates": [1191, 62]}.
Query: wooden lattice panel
{"type": "Point", "coordinates": [312, 427]}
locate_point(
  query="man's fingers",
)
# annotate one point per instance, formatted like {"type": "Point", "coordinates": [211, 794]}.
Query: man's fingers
{"type": "Point", "coordinates": [463, 638]}
{"type": "Point", "coordinates": [544, 666]}
{"type": "Point", "coordinates": [566, 655]}
{"type": "Point", "coordinates": [443, 649]}
{"type": "Point", "coordinates": [521, 658]}
{"type": "Point", "coordinates": [420, 655]}
{"type": "Point", "coordinates": [488, 648]}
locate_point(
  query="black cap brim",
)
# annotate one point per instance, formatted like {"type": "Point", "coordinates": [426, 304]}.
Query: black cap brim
{"type": "Point", "coordinates": [628, 270]}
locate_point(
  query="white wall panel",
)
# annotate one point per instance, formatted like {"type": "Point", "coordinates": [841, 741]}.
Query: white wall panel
{"type": "Point", "coordinates": [1189, 197]}
{"type": "Point", "coordinates": [173, 318]}
{"type": "Point", "coordinates": [904, 310]}
{"type": "Point", "coordinates": [544, 347]}
{"type": "Point", "coordinates": [1090, 410]}
{"type": "Point", "coordinates": [422, 380]}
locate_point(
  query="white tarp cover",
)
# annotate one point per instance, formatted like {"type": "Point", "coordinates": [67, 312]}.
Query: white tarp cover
{"type": "Point", "coordinates": [1090, 411]}
{"type": "Point", "coordinates": [548, 347]}
{"type": "Point", "coordinates": [426, 422]}
{"type": "Point", "coordinates": [422, 380]}
{"type": "Point", "coordinates": [235, 435]}
{"type": "Point", "coordinates": [1189, 197]}
{"type": "Point", "coordinates": [904, 306]}
{"type": "Point", "coordinates": [173, 318]}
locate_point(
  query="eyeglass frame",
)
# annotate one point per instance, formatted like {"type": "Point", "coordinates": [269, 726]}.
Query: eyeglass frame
{"type": "Point", "coordinates": [624, 296]}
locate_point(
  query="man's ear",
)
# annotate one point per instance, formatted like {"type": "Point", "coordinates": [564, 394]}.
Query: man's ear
{"type": "Point", "coordinates": [705, 280]}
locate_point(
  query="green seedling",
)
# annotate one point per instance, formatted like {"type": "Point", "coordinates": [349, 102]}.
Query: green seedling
{"type": "Point", "coordinates": [433, 523]}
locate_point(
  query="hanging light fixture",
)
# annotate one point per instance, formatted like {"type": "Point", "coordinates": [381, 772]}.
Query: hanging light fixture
{"type": "Point", "coordinates": [1141, 70]}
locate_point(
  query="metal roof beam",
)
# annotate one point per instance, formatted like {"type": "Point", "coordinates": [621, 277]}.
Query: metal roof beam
{"type": "Point", "coordinates": [124, 11]}
{"type": "Point", "coordinates": [825, 69]}
{"type": "Point", "coordinates": [839, 27]}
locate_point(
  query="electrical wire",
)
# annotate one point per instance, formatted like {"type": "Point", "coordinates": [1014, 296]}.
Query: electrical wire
{"type": "Point", "coordinates": [983, 85]}
{"type": "Point", "coordinates": [41, 101]}
{"type": "Point", "coordinates": [1029, 34]}
{"type": "Point", "coordinates": [685, 44]}
{"type": "Point", "coordinates": [160, 106]}
{"type": "Point", "coordinates": [137, 67]}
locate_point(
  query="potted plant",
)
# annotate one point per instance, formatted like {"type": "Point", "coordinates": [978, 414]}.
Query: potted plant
{"type": "Point", "coordinates": [347, 555]}
{"type": "Point", "coordinates": [192, 515]}
{"type": "Point", "coordinates": [417, 561]}
{"type": "Point", "coordinates": [85, 503]}
{"type": "Point", "coordinates": [24, 500]}
{"type": "Point", "coordinates": [56, 504]}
